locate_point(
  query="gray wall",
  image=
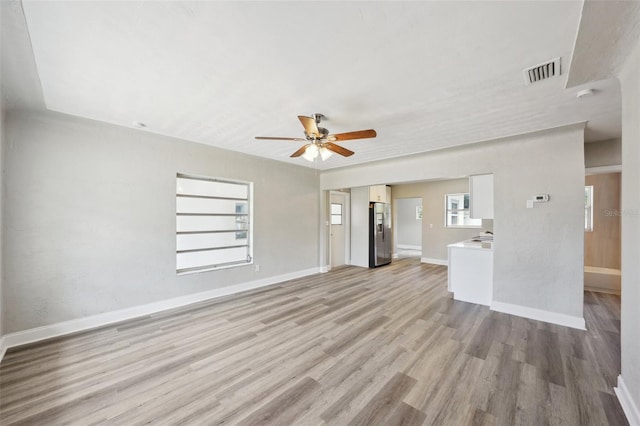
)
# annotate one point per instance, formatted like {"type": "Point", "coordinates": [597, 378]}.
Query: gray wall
{"type": "Point", "coordinates": [603, 153]}
{"type": "Point", "coordinates": [435, 239]}
{"type": "Point", "coordinates": [2, 207]}
{"type": "Point", "coordinates": [360, 226]}
{"type": "Point", "coordinates": [630, 329]}
{"type": "Point", "coordinates": [538, 253]}
{"type": "Point", "coordinates": [4, 63]}
{"type": "Point", "coordinates": [408, 228]}
{"type": "Point", "coordinates": [90, 217]}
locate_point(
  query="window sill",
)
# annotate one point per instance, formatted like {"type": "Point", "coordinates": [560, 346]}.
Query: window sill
{"type": "Point", "coordinates": [213, 268]}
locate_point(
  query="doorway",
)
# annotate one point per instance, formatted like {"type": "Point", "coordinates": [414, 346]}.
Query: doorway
{"type": "Point", "coordinates": [408, 227]}
{"type": "Point", "coordinates": [602, 240]}
{"type": "Point", "coordinates": [339, 226]}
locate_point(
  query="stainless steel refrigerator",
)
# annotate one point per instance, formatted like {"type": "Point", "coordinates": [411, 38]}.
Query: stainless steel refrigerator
{"type": "Point", "coordinates": [379, 234]}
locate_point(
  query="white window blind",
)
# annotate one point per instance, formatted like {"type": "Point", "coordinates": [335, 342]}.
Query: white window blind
{"type": "Point", "coordinates": [213, 223]}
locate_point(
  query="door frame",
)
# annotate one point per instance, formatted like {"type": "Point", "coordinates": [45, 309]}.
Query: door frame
{"type": "Point", "coordinates": [346, 222]}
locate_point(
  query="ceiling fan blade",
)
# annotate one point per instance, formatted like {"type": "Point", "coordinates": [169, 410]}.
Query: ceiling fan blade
{"type": "Point", "coordinates": [299, 152]}
{"type": "Point", "coordinates": [270, 138]}
{"type": "Point", "coordinates": [360, 134]}
{"type": "Point", "coordinates": [310, 126]}
{"type": "Point", "coordinates": [338, 149]}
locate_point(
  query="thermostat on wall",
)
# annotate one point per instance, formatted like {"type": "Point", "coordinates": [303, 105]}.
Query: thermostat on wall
{"type": "Point", "coordinates": [542, 198]}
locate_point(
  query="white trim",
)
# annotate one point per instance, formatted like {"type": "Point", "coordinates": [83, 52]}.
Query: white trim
{"type": "Point", "coordinates": [602, 290]}
{"type": "Point", "coordinates": [409, 247]}
{"type": "Point", "coordinates": [3, 348]}
{"type": "Point", "coordinates": [539, 315]}
{"type": "Point", "coordinates": [87, 323]}
{"type": "Point", "coordinates": [603, 169]}
{"type": "Point", "coordinates": [601, 270]}
{"type": "Point", "coordinates": [434, 261]}
{"type": "Point", "coordinates": [324, 269]}
{"type": "Point", "coordinates": [602, 280]}
{"type": "Point", "coordinates": [394, 256]}
{"type": "Point", "coordinates": [628, 405]}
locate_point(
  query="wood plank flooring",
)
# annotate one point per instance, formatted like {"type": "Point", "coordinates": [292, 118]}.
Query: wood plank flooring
{"type": "Point", "coordinates": [351, 347]}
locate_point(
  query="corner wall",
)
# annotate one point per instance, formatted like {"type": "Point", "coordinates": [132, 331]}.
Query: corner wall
{"type": "Point", "coordinates": [629, 382]}
{"type": "Point", "coordinates": [2, 207]}
{"type": "Point", "coordinates": [538, 253]}
{"type": "Point", "coordinates": [3, 21]}
{"type": "Point", "coordinates": [90, 218]}
{"type": "Point", "coordinates": [603, 153]}
{"type": "Point", "coordinates": [360, 226]}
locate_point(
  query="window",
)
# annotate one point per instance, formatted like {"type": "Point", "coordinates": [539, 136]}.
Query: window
{"type": "Point", "coordinates": [457, 214]}
{"type": "Point", "coordinates": [336, 214]}
{"type": "Point", "coordinates": [213, 223]}
{"type": "Point", "coordinates": [588, 208]}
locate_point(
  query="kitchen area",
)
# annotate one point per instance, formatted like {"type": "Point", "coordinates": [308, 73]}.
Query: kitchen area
{"type": "Point", "coordinates": [534, 197]}
{"type": "Point", "coordinates": [462, 239]}
{"type": "Point", "coordinates": [471, 261]}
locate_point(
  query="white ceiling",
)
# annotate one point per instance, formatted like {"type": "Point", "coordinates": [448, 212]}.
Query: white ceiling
{"type": "Point", "coordinates": [608, 31]}
{"type": "Point", "coordinates": [425, 75]}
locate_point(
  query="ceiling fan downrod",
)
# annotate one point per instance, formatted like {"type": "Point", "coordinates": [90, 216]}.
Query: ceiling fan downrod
{"type": "Point", "coordinates": [317, 117]}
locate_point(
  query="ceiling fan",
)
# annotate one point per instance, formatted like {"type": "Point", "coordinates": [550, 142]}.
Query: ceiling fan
{"type": "Point", "coordinates": [320, 142]}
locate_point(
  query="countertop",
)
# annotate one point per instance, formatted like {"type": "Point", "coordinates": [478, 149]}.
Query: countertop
{"type": "Point", "coordinates": [469, 244]}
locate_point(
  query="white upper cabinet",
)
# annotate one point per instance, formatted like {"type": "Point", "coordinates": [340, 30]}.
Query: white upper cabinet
{"type": "Point", "coordinates": [481, 196]}
{"type": "Point", "coordinates": [380, 194]}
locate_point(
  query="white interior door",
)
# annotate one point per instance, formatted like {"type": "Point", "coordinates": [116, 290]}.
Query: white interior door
{"type": "Point", "coordinates": [338, 226]}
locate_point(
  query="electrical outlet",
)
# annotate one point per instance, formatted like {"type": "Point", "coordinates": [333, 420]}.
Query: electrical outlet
{"type": "Point", "coordinates": [257, 266]}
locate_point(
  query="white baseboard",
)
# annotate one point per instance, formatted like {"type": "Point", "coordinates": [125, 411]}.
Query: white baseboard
{"type": "Point", "coordinates": [87, 323]}
{"type": "Point", "coordinates": [539, 315]}
{"type": "Point", "coordinates": [434, 261]}
{"type": "Point", "coordinates": [394, 256]}
{"type": "Point", "coordinates": [628, 404]}
{"type": "Point", "coordinates": [409, 247]}
{"type": "Point", "coordinates": [615, 168]}
{"type": "Point", "coordinates": [3, 348]}
{"type": "Point", "coordinates": [602, 290]}
{"type": "Point", "coordinates": [325, 268]}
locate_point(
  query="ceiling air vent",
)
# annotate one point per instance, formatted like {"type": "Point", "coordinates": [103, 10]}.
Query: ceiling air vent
{"type": "Point", "coordinates": [542, 72]}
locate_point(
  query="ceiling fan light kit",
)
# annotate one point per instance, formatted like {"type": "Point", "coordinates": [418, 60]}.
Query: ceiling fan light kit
{"type": "Point", "coordinates": [311, 152]}
{"type": "Point", "coordinates": [325, 153]}
{"type": "Point", "coordinates": [320, 141]}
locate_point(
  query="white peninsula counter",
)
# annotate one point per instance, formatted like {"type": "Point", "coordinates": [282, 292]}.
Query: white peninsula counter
{"type": "Point", "coordinates": [471, 271]}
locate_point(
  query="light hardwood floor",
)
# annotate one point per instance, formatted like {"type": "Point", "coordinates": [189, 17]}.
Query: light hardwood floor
{"type": "Point", "coordinates": [350, 347]}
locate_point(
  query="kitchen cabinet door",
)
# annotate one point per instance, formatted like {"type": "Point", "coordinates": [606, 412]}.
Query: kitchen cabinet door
{"type": "Point", "coordinates": [378, 194]}
{"type": "Point", "coordinates": [481, 196]}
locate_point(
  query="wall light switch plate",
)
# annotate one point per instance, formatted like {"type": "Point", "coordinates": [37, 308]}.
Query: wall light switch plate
{"type": "Point", "coordinates": [529, 204]}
